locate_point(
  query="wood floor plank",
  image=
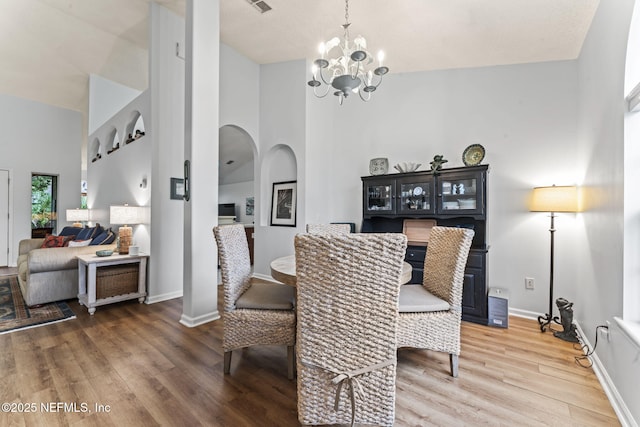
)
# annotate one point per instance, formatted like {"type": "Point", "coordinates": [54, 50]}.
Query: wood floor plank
{"type": "Point", "coordinates": [152, 371]}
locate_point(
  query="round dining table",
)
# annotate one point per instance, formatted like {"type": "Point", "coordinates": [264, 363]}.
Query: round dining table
{"type": "Point", "coordinates": [283, 269]}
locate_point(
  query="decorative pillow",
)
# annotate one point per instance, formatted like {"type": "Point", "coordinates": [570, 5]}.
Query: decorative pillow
{"type": "Point", "coordinates": [78, 243]}
{"type": "Point", "coordinates": [85, 233]}
{"type": "Point", "coordinates": [70, 231]}
{"type": "Point", "coordinates": [111, 237]}
{"type": "Point", "coordinates": [89, 232]}
{"type": "Point", "coordinates": [104, 238]}
{"type": "Point", "coordinates": [68, 239]}
{"type": "Point", "coordinates": [98, 229]}
{"type": "Point", "coordinates": [51, 241]}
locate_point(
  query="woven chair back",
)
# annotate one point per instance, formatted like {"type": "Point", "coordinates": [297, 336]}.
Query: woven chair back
{"type": "Point", "coordinates": [347, 310]}
{"type": "Point", "coordinates": [235, 265]}
{"type": "Point", "coordinates": [329, 228]}
{"type": "Point", "coordinates": [445, 262]}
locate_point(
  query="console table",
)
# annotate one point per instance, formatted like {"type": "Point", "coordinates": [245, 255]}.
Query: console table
{"type": "Point", "coordinates": [88, 278]}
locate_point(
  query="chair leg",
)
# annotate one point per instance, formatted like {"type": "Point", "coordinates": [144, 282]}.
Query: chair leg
{"type": "Point", "coordinates": [453, 361]}
{"type": "Point", "coordinates": [291, 361]}
{"type": "Point", "coordinates": [227, 361]}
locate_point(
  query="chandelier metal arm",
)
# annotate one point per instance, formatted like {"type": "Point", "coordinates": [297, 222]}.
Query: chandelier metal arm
{"type": "Point", "coordinates": [320, 73]}
{"type": "Point", "coordinates": [363, 98]}
{"type": "Point", "coordinates": [315, 92]}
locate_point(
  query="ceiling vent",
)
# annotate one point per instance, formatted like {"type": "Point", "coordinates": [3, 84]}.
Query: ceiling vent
{"type": "Point", "coordinates": [260, 5]}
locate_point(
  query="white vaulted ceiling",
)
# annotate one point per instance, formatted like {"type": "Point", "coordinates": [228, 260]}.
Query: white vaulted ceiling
{"type": "Point", "coordinates": [48, 48]}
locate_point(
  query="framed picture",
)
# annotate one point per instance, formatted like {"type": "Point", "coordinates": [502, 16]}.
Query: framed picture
{"type": "Point", "coordinates": [283, 204]}
{"type": "Point", "coordinates": [177, 188]}
{"type": "Point", "coordinates": [250, 206]}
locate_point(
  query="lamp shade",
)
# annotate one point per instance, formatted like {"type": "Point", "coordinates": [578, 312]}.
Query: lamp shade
{"type": "Point", "coordinates": [562, 198]}
{"type": "Point", "coordinates": [77, 215]}
{"type": "Point", "coordinates": [125, 215]}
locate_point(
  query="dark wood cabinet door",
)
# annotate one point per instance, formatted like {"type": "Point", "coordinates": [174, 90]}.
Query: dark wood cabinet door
{"type": "Point", "coordinates": [249, 233]}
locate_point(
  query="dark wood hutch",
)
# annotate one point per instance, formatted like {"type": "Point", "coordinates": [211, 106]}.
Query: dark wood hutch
{"type": "Point", "coordinates": [454, 197]}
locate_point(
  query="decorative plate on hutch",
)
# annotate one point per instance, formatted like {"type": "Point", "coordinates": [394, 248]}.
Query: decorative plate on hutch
{"type": "Point", "coordinates": [379, 166]}
{"type": "Point", "coordinates": [473, 155]}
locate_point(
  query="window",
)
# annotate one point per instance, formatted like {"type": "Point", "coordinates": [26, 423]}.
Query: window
{"type": "Point", "coordinates": [44, 198]}
{"type": "Point", "coordinates": [630, 323]}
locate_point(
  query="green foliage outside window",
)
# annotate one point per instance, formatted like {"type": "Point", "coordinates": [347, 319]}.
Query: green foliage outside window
{"type": "Point", "coordinates": [41, 201]}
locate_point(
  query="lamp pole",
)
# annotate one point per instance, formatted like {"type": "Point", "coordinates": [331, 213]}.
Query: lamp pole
{"type": "Point", "coordinates": [546, 320]}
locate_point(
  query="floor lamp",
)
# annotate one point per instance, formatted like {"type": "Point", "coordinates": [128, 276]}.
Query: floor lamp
{"type": "Point", "coordinates": [553, 199]}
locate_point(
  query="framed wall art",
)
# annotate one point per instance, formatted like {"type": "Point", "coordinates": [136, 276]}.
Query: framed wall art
{"type": "Point", "coordinates": [283, 204]}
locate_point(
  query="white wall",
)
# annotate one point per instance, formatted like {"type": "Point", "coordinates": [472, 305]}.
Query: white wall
{"type": "Point", "coordinates": [44, 139]}
{"type": "Point", "coordinates": [526, 118]}
{"type": "Point", "coordinates": [237, 193]}
{"type": "Point", "coordinates": [282, 155]}
{"type": "Point", "coordinates": [115, 178]}
{"type": "Point", "coordinates": [166, 88]}
{"type": "Point", "coordinates": [106, 98]}
{"type": "Point", "coordinates": [609, 171]}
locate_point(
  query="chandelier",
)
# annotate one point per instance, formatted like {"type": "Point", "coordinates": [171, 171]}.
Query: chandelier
{"type": "Point", "coordinates": [352, 71]}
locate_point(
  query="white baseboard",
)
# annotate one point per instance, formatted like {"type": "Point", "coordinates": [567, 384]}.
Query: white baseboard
{"type": "Point", "coordinates": [192, 322]}
{"type": "Point", "coordinates": [163, 297]}
{"type": "Point", "coordinates": [523, 313]}
{"type": "Point", "coordinates": [622, 411]}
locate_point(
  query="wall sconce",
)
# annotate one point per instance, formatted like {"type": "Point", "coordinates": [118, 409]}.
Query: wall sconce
{"type": "Point", "coordinates": [126, 215]}
{"type": "Point", "coordinates": [78, 216]}
{"type": "Point", "coordinates": [143, 183]}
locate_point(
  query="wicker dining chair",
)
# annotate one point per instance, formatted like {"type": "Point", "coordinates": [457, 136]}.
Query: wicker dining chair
{"type": "Point", "coordinates": [430, 315]}
{"type": "Point", "coordinates": [329, 228]}
{"type": "Point", "coordinates": [255, 313]}
{"type": "Point", "coordinates": [347, 308]}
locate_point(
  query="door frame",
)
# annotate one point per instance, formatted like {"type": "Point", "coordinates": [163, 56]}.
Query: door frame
{"type": "Point", "coordinates": [11, 255]}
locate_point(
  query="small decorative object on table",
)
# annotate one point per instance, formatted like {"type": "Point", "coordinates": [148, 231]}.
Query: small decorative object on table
{"type": "Point", "coordinates": [438, 161]}
{"type": "Point", "coordinates": [406, 167]}
{"type": "Point", "coordinates": [379, 166]}
{"type": "Point", "coordinates": [473, 155]}
{"type": "Point", "coordinates": [566, 319]}
{"type": "Point", "coordinates": [104, 253]}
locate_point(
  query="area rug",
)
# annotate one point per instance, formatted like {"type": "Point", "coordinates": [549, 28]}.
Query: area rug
{"type": "Point", "coordinates": [15, 315]}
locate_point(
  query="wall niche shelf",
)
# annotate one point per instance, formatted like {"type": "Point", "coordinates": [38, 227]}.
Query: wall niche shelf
{"type": "Point", "coordinates": [96, 148]}
{"type": "Point", "coordinates": [114, 141]}
{"type": "Point", "coordinates": [135, 127]}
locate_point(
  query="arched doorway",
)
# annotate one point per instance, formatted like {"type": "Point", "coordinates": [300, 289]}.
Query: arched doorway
{"type": "Point", "coordinates": [236, 179]}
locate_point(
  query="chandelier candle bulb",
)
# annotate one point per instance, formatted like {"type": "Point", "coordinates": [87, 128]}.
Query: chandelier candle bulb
{"type": "Point", "coordinates": [380, 58]}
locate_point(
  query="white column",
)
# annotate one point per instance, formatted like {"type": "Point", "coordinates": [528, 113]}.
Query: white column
{"type": "Point", "coordinates": [201, 149]}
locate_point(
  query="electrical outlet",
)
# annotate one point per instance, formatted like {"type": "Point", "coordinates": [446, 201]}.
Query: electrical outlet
{"type": "Point", "coordinates": [529, 283]}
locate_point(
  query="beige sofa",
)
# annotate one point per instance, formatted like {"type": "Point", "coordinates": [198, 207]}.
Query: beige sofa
{"type": "Point", "coordinates": [50, 274]}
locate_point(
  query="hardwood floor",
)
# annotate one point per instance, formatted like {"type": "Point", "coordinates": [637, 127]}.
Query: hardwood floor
{"type": "Point", "coordinates": [8, 271]}
{"type": "Point", "coordinates": [146, 369]}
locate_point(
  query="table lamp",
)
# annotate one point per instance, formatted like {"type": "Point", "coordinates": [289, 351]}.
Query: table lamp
{"type": "Point", "coordinates": [78, 216]}
{"type": "Point", "coordinates": [553, 199]}
{"type": "Point", "coordinates": [125, 215]}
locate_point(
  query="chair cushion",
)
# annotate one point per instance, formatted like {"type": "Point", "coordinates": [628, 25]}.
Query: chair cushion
{"type": "Point", "coordinates": [416, 299]}
{"type": "Point", "coordinates": [267, 296]}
